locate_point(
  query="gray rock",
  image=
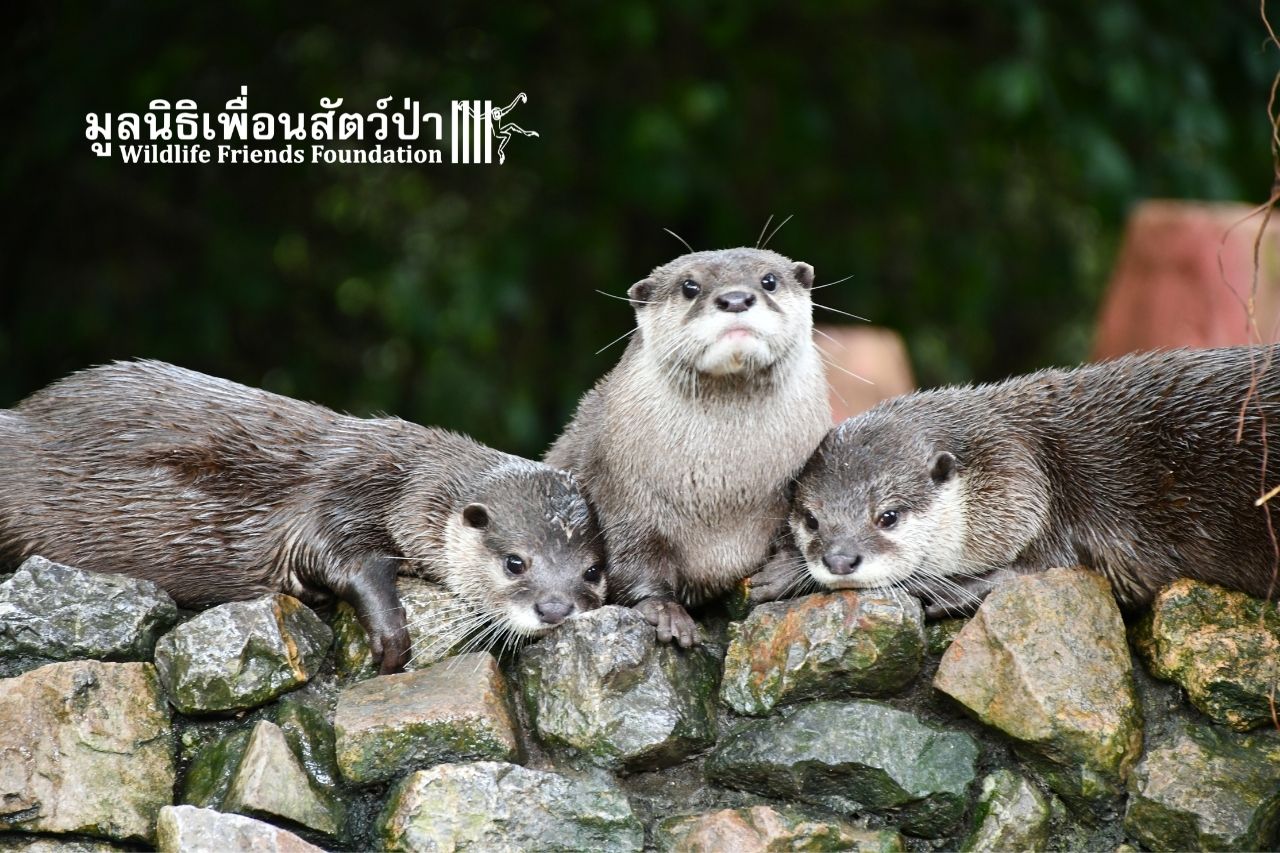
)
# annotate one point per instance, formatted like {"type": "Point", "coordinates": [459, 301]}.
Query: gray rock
{"type": "Point", "coordinates": [85, 747]}
{"type": "Point", "coordinates": [270, 782]}
{"type": "Point", "coordinates": [187, 829]}
{"type": "Point", "coordinates": [852, 757]}
{"type": "Point", "coordinates": [52, 612]}
{"type": "Point", "coordinates": [820, 647]}
{"type": "Point", "coordinates": [1011, 815]}
{"type": "Point", "coordinates": [457, 710]}
{"type": "Point", "coordinates": [1046, 661]}
{"type": "Point", "coordinates": [491, 806]}
{"type": "Point", "coordinates": [310, 734]}
{"type": "Point", "coordinates": [242, 654]}
{"type": "Point", "coordinates": [1207, 789]}
{"type": "Point", "coordinates": [257, 772]}
{"type": "Point", "coordinates": [431, 614]}
{"type": "Point", "coordinates": [602, 689]}
{"type": "Point", "coordinates": [208, 777]}
{"type": "Point", "coordinates": [761, 829]}
{"type": "Point", "coordinates": [39, 844]}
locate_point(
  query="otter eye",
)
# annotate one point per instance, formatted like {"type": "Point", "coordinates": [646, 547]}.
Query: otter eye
{"type": "Point", "coordinates": [515, 565]}
{"type": "Point", "coordinates": [810, 520]}
{"type": "Point", "coordinates": [769, 282]}
{"type": "Point", "coordinates": [887, 519]}
{"type": "Point", "coordinates": [690, 288]}
{"type": "Point", "coordinates": [593, 574]}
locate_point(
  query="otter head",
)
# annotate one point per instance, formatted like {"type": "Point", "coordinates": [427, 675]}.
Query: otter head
{"type": "Point", "coordinates": [879, 504]}
{"type": "Point", "coordinates": [523, 548]}
{"type": "Point", "coordinates": [724, 313]}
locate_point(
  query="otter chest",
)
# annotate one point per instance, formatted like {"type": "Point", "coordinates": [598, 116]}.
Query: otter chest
{"type": "Point", "coordinates": [713, 480]}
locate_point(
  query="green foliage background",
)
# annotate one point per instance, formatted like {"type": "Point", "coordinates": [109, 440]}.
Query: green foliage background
{"type": "Point", "coordinates": [969, 164]}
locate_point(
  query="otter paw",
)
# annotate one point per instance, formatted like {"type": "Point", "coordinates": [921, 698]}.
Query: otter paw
{"type": "Point", "coordinates": [771, 583]}
{"type": "Point", "coordinates": [390, 650]}
{"type": "Point", "coordinates": [934, 611]}
{"type": "Point", "coordinates": [949, 608]}
{"type": "Point", "coordinates": [671, 620]}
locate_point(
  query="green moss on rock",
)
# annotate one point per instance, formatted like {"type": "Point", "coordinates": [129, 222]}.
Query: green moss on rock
{"type": "Point", "coordinates": [257, 772]}
{"type": "Point", "coordinates": [938, 635]}
{"type": "Point", "coordinates": [52, 612]}
{"type": "Point", "coordinates": [1011, 814]}
{"type": "Point", "coordinates": [1207, 789]}
{"type": "Point", "coordinates": [85, 747]}
{"type": "Point", "coordinates": [499, 806]}
{"type": "Point", "coordinates": [1221, 646]}
{"type": "Point", "coordinates": [822, 646]}
{"type": "Point", "coordinates": [242, 654]}
{"type": "Point", "coordinates": [456, 710]}
{"type": "Point", "coordinates": [851, 757]}
{"type": "Point", "coordinates": [602, 690]}
{"type": "Point", "coordinates": [1045, 660]}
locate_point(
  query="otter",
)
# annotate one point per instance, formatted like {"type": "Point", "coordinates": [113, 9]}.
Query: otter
{"type": "Point", "coordinates": [687, 447]}
{"type": "Point", "coordinates": [220, 492]}
{"type": "Point", "coordinates": [1131, 467]}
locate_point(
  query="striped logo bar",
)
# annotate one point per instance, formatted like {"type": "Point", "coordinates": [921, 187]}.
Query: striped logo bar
{"type": "Point", "coordinates": [472, 132]}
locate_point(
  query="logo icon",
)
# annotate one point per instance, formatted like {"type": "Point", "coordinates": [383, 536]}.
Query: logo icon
{"type": "Point", "coordinates": [477, 124]}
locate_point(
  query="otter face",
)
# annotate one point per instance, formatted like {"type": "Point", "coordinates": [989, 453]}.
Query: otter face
{"type": "Point", "coordinates": [722, 313]}
{"type": "Point", "coordinates": [878, 505]}
{"type": "Point", "coordinates": [526, 550]}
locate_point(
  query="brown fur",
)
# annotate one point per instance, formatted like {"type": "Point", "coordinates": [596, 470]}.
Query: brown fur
{"type": "Point", "coordinates": [220, 492]}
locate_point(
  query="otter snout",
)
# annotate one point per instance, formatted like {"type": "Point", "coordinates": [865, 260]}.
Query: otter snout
{"type": "Point", "coordinates": [553, 611]}
{"type": "Point", "coordinates": [735, 301]}
{"type": "Point", "coordinates": [840, 563]}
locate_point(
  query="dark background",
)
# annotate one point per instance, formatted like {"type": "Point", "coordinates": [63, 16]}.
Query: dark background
{"type": "Point", "coordinates": [970, 165]}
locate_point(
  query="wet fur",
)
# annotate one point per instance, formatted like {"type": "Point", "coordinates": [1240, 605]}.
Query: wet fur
{"type": "Point", "coordinates": [1130, 467]}
{"type": "Point", "coordinates": [219, 492]}
{"type": "Point", "coordinates": [689, 471]}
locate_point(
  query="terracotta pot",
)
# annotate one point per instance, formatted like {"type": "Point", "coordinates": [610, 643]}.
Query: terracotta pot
{"type": "Point", "coordinates": [1183, 278]}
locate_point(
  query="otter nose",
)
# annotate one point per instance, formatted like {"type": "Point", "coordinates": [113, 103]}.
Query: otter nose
{"type": "Point", "coordinates": [841, 564]}
{"type": "Point", "coordinates": [735, 302]}
{"type": "Point", "coordinates": [553, 612]}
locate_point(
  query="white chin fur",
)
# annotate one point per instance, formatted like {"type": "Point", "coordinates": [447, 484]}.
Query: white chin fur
{"type": "Point", "coordinates": [735, 343]}
{"type": "Point", "coordinates": [734, 355]}
{"type": "Point", "coordinates": [525, 622]}
{"type": "Point", "coordinates": [872, 573]}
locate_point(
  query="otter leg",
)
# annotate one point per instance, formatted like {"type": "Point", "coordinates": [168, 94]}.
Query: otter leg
{"type": "Point", "coordinates": [782, 575]}
{"type": "Point", "coordinates": [642, 574]}
{"type": "Point", "coordinates": [369, 585]}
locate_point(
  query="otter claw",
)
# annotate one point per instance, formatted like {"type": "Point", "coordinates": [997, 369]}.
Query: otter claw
{"type": "Point", "coordinates": [671, 620]}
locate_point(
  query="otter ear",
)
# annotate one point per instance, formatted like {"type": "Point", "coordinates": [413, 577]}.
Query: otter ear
{"type": "Point", "coordinates": [803, 273]}
{"type": "Point", "coordinates": [642, 291]}
{"type": "Point", "coordinates": [941, 467]}
{"type": "Point", "coordinates": [475, 515]}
